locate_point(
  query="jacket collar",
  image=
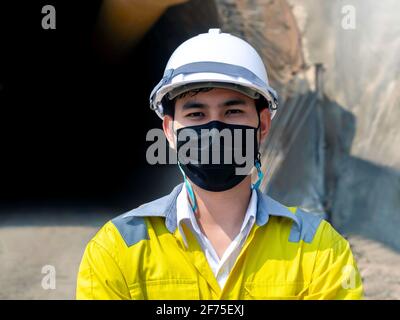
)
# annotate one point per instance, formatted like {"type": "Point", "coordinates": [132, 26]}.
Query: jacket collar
{"type": "Point", "coordinates": [166, 207]}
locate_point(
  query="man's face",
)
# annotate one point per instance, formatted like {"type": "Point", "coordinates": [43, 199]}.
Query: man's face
{"type": "Point", "coordinates": [224, 105]}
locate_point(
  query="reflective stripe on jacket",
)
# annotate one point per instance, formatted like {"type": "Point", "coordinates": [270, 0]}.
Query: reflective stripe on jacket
{"type": "Point", "coordinates": [289, 254]}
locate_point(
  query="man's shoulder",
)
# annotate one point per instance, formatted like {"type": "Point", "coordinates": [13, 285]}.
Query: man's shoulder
{"type": "Point", "coordinates": [305, 225]}
{"type": "Point", "coordinates": [121, 232]}
{"type": "Point", "coordinates": [309, 223]}
{"type": "Point", "coordinates": [132, 226]}
{"type": "Point", "coordinates": [313, 229]}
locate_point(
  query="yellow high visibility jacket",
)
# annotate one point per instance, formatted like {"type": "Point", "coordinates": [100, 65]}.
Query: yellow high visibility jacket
{"type": "Point", "coordinates": [289, 254]}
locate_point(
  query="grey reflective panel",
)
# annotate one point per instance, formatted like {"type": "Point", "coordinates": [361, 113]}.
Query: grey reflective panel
{"type": "Point", "coordinates": [162, 207]}
{"type": "Point", "coordinates": [266, 206]}
{"type": "Point", "coordinates": [132, 229]}
{"type": "Point", "coordinates": [309, 224]}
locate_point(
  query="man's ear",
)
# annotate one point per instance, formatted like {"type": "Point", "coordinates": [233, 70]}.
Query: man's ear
{"type": "Point", "coordinates": [265, 123]}
{"type": "Point", "coordinates": [168, 130]}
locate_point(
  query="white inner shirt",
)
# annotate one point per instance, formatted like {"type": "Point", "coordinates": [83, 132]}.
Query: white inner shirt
{"type": "Point", "coordinates": [220, 267]}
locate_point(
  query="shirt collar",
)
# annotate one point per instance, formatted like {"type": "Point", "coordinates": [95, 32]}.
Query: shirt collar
{"type": "Point", "coordinates": [166, 207]}
{"type": "Point", "coordinates": [251, 212]}
{"type": "Point", "coordinates": [185, 212]}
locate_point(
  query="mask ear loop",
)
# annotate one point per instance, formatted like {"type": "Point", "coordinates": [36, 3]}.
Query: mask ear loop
{"type": "Point", "coordinates": [259, 173]}
{"type": "Point", "coordinates": [192, 197]}
{"type": "Point", "coordinates": [257, 162]}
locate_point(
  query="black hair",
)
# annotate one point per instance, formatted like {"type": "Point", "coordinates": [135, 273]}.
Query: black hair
{"type": "Point", "coordinates": [169, 105]}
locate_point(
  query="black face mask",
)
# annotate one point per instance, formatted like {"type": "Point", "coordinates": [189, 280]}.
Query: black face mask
{"type": "Point", "coordinates": [198, 164]}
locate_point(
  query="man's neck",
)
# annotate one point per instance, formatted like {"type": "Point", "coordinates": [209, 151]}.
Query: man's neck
{"type": "Point", "coordinates": [223, 210]}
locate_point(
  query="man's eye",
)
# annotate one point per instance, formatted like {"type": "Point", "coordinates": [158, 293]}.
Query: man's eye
{"type": "Point", "coordinates": [232, 111]}
{"type": "Point", "coordinates": [195, 114]}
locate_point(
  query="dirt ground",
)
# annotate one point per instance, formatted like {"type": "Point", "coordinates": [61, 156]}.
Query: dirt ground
{"type": "Point", "coordinates": [29, 242]}
{"type": "Point", "coordinates": [379, 267]}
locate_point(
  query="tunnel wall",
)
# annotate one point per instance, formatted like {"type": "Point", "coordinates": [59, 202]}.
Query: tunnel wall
{"type": "Point", "coordinates": [74, 125]}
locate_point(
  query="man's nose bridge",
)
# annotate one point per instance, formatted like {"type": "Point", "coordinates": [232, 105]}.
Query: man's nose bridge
{"type": "Point", "coordinates": [216, 114]}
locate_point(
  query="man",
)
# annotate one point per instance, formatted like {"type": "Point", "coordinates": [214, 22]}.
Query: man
{"type": "Point", "coordinates": [216, 236]}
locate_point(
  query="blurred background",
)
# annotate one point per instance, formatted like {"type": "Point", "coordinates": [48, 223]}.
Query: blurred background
{"type": "Point", "coordinates": [74, 117]}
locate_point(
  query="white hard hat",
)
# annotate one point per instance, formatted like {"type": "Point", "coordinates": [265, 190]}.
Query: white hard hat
{"type": "Point", "coordinates": [214, 59]}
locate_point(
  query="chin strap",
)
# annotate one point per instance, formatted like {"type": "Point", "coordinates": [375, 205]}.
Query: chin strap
{"type": "Point", "coordinates": [259, 173]}
{"type": "Point", "coordinates": [192, 197]}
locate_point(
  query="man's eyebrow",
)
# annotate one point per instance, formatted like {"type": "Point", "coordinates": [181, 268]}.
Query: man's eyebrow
{"type": "Point", "coordinates": [198, 105]}
{"type": "Point", "coordinates": [193, 105]}
{"type": "Point", "coordinates": [233, 102]}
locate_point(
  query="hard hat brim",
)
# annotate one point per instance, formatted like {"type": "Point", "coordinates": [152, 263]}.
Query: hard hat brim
{"type": "Point", "coordinates": [222, 74]}
{"type": "Point", "coordinates": [209, 84]}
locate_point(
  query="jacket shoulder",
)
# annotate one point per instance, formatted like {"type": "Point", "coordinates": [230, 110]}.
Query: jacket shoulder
{"type": "Point", "coordinates": [121, 231]}
{"type": "Point", "coordinates": [307, 226]}
{"type": "Point", "coordinates": [132, 229]}
{"type": "Point", "coordinates": [313, 229]}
